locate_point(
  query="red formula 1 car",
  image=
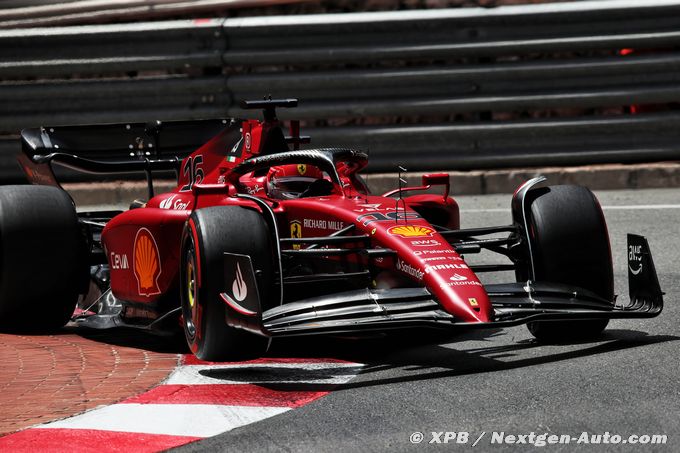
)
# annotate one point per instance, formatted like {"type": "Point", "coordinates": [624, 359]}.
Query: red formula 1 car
{"type": "Point", "coordinates": [259, 240]}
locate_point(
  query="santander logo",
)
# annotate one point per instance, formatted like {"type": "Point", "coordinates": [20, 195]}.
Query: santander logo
{"type": "Point", "coordinates": [239, 288]}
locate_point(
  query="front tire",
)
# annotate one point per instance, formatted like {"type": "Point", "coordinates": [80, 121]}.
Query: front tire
{"type": "Point", "coordinates": [209, 233]}
{"type": "Point", "coordinates": [43, 267]}
{"type": "Point", "coordinates": [570, 245]}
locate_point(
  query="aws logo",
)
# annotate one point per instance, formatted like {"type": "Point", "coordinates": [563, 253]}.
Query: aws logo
{"type": "Point", "coordinates": [146, 263]}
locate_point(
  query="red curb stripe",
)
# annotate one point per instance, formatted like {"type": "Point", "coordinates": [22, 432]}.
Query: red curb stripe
{"type": "Point", "coordinates": [226, 394]}
{"type": "Point", "coordinates": [190, 359]}
{"type": "Point", "coordinates": [88, 440]}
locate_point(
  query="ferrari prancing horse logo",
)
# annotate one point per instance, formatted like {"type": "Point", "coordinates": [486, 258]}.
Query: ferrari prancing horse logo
{"type": "Point", "coordinates": [296, 232]}
{"type": "Point", "coordinates": [296, 229]}
{"type": "Point", "coordinates": [302, 169]}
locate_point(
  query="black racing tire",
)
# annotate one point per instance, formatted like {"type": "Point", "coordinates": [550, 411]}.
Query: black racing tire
{"type": "Point", "coordinates": [44, 264]}
{"type": "Point", "coordinates": [209, 233]}
{"type": "Point", "coordinates": [570, 245]}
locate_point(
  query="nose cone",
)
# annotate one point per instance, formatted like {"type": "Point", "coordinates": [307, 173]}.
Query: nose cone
{"type": "Point", "coordinates": [458, 290]}
{"type": "Point", "coordinates": [433, 262]}
{"type": "Point", "coordinates": [479, 309]}
{"type": "Point", "coordinates": [427, 258]}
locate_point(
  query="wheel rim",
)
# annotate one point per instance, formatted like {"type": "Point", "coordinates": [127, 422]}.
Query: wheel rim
{"type": "Point", "coordinates": [191, 293]}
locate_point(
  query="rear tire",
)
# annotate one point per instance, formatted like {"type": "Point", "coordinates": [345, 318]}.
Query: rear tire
{"type": "Point", "coordinates": [209, 233]}
{"type": "Point", "coordinates": [43, 264]}
{"type": "Point", "coordinates": [570, 245]}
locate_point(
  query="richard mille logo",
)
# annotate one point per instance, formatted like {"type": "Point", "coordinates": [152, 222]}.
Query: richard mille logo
{"type": "Point", "coordinates": [239, 288]}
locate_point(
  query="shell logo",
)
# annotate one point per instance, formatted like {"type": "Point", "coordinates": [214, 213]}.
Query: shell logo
{"type": "Point", "coordinates": [146, 263]}
{"type": "Point", "coordinates": [411, 231]}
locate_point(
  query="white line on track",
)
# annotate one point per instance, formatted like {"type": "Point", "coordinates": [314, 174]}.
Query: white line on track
{"type": "Point", "coordinates": [486, 210]}
{"type": "Point", "coordinates": [606, 208]}
{"type": "Point", "coordinates": [650, 206]}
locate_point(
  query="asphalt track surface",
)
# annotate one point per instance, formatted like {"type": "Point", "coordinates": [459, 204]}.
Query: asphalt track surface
{"type": "Point", "coordinates": [625, 383]}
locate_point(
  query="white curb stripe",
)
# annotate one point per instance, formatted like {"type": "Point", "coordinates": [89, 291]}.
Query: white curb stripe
{"type": "Point", "coordinates": [195, 420]}
{"type": "Point", "coordinates": [270, 373]}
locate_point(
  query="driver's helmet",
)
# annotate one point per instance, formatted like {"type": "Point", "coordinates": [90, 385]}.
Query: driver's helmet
{"type": "Point", "coordinates": [290, 181]}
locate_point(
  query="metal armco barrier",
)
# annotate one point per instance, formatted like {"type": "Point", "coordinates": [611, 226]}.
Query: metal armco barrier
{"type": "Point", "coordinates": [434, 89]}
{"type": "Point", "coordinates": [27, 13]}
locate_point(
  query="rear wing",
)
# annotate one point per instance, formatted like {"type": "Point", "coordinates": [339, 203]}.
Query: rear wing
{"type": "Point", "coordinates": [123, 141]}
{"type": "Point", "coordinates": [114, 148]}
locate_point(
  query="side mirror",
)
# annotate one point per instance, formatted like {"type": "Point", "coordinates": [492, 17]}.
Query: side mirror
{"type": "Point", "coordinates": [438, 179]}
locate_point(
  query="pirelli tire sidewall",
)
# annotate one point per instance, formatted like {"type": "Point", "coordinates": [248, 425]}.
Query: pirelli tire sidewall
{"type": "Point", "coordinates": [213, 231]}
{"type": "Point", "coordinates": [43, 258]}
{"type": "Point", "coordinates": [570, 245]}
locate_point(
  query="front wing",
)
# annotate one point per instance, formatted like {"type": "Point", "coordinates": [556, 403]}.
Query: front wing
{"type": "Point", "coordinates": [513, 303]}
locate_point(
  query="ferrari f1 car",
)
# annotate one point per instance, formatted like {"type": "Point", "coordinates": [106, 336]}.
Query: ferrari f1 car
{"type": "Point", "coordinates": [262, 240]}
